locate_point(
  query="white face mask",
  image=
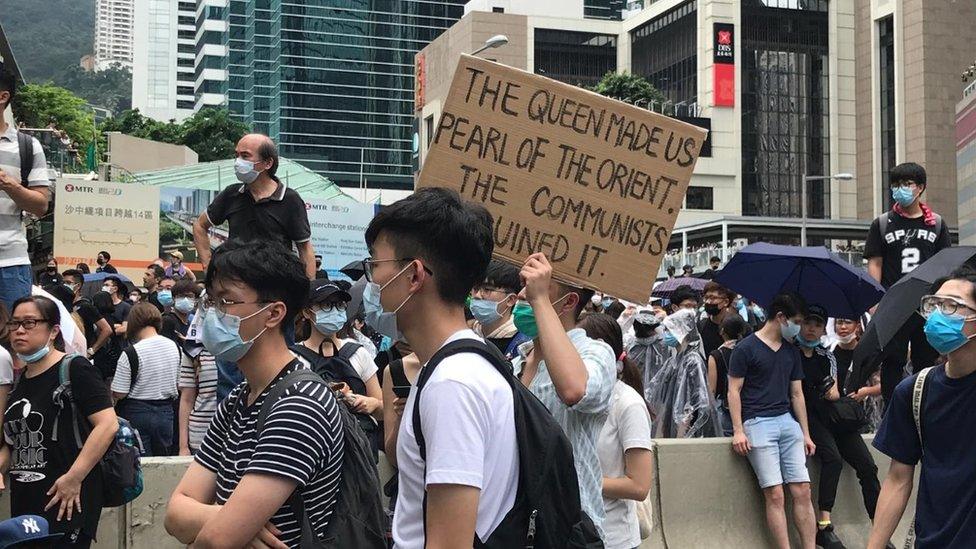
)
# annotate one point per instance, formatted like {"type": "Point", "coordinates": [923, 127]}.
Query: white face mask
{"type": "Point", "coordinates": [847, 339]}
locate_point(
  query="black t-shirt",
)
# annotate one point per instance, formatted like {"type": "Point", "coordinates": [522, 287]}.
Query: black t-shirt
{"type": "Point", "coordinates": [36, 460]}
{"type": "Point", "coordinates": [281, 217]}
{"type": "Point", "coordinates": [844, 360]}
{"type": "Point", "coordinates": [816, 368]}
{"type": "Point", "coordinates": [722, 356]}
{"type": "Point", "coordinates": [174, 328]}
{"type": "Point", "coordinates": [89, 318]}
{"type": "Point", "coordinates": [107, 268]}
{"type": "Point", "coordinates": [153, 298]}
{"type": "Point", "coordinates": [46, 279]}
{"type": "Point", "coordinates": [906, 244]}
{"type": "Point", "coordinates": [710, 335]}
{"type": "Point", "coordinates": [121, 312]}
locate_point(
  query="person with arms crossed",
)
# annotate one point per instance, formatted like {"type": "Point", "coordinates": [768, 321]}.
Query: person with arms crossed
{"type": "Point", "coordinates": [765, 382]}
{"type": "Point", "coordinates": [939, 433]}
{"type": "Point", "coordinates": [237, 491]}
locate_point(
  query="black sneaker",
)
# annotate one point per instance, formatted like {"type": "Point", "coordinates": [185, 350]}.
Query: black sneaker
{"type": "Point", "coordinates": [827, 539]}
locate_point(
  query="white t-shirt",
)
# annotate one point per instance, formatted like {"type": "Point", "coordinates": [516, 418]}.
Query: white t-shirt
{"type": "Point", "coordinates": [361, 361]}
{"type": "Point", "coordinates": [6, 367]}
{"type": "Point", "coordinates": [159, 369]}
{"type": "Point", "coordinates": [628, 426]}
{"type": "Point", "coordinates": [468, 417]}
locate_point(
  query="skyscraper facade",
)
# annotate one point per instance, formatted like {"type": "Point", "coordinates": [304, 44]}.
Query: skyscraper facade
{"type": "Point", "coordinates": [333, 84]}
{"type": "Point", "coordinates": [113, 33]}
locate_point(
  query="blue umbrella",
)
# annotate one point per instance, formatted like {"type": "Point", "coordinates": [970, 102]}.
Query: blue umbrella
{"type": "Point", "coordinates": [93, 283]}
{"type": "Point", "coordinates": [760, 271]}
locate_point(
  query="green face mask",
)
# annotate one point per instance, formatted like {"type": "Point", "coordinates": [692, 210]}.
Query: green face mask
{"type": "Point", "coordinates": [524, 318]}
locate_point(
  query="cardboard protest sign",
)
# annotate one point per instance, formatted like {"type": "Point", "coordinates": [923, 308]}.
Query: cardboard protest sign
{"type": "Point", "coordinates": [594, 183]}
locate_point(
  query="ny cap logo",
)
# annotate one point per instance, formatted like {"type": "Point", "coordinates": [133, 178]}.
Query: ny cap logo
{"type": "Point", "coordinates": [30, 526]}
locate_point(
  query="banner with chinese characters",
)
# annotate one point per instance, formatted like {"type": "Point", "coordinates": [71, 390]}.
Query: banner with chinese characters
{"type": "Point", "coordinates": [338, 230]}
{"type": "Point", "coordinates": [94, 216]}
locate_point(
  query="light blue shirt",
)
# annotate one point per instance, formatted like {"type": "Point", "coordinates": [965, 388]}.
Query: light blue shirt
{"type": "Point", "coordinates": [584, 421]}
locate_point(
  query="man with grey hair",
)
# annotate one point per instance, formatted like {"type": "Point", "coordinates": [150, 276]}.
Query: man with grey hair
{"type": "Point", "coordinates": [260, 207]}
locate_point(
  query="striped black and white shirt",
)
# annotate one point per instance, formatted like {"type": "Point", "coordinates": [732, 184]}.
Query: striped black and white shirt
{"type": "Point", "coordinates": [13, 239]}
{"type": "Point", "coordinates": [301, 440]}
{"type": "Point", "coordinates": [200, 374]}
{"type": "Point", "coordinates": [159, 367]}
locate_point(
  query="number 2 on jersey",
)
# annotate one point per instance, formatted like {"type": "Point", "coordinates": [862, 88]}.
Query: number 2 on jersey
{"type": "Point", "coordinates": [909, 260]}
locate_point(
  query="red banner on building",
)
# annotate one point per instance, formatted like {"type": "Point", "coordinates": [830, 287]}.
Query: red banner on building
{"type": "Point", "coordinates": [723, 65]}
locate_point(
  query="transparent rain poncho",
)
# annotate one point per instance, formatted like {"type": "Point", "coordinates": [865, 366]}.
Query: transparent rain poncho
{"type": "Point", "coordinates": [649, 353]}
{"type": "Point", "coordinates": [679, 397]}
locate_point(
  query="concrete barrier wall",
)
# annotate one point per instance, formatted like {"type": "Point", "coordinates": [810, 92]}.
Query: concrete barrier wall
{"type": "Point", "coordinates": [705, 497]}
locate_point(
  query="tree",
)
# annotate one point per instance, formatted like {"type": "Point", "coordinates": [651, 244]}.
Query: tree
{"type": "Point", "coordinates": [629, 88]}
{"type": "Point", "coordinates": [110, 88]}
{"type": "Point", "coordinates": [38, 105]}
{"type": "Point", "coordinates": [212, 133]}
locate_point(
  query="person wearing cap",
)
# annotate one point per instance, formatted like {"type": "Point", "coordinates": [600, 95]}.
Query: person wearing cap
{"type": "Point", "coordinates": [177, 270]}
{"type": "Point", "coordinates": [27, 532]}
{"type": "Point", "coordinates": [330, 337]}
{"type": "Point", "coordinates": [320, 273]}
{"type": "Point", "coordinates": [835, 445]}
{"type": "Point", "coordinates": [687, 271]}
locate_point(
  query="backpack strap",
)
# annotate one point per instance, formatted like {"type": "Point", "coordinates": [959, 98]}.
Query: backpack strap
{"type": "Point", "coordinates": [938, 225]}
{"type": "Point", "coordinates": [295, 500]}
{"type": "Point", "coordinates": [917, 393]}
{"type": "Point", "coordinates": [883, 224]}
{"type": "Point", "coordinates": [348, 350]}
{"type": "Point", "coordinates": [397, 375]}
{"type": "Point", "coordinates": [133, 356]}
{"type": "Point", "coordinates": [25, 143]}
{"type": "Point", "coordinates": [64, 391]}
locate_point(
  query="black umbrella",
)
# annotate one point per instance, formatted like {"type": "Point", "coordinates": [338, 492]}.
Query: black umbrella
{"type": "Point", "coordinates": [93, 283]}
{"type": "Point", "coordinates": [898, 310]}
{"type": "Point", "coordinates": [354, 270]}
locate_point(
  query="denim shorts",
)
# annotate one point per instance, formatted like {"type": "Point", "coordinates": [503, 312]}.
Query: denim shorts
{"type": "Point", "coordinates": [777, 454]}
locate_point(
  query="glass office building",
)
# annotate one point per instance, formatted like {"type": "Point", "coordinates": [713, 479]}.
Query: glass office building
{"type": "Point", "coordinates": [577, 58]}
{"type": "Point", "coordinates": [333, 82]}
{"type": "Point", "coordinates": [603, 9]}
{"type": "Point", "coordinates": [785, 109]}
{"type": "Point", "coordinates": [665, 51]}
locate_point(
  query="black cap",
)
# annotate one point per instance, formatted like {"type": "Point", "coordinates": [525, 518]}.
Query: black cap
{"type": "Point", "coordinates": [816, 311]}
{"type": "Point", "coordinates": [322, 289]}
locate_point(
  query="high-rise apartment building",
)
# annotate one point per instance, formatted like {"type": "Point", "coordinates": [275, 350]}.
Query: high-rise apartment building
{"type": "Point", "coordinates": [163, 53]}
{"type": "Point", "coordinates": [113, 33]}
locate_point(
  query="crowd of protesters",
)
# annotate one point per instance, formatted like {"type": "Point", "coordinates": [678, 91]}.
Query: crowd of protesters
{"type": "Point", "coordinates": [285, 386]}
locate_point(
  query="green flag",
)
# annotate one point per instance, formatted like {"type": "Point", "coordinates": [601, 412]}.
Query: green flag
{"type": "Point", "coordinates": [90, 161]}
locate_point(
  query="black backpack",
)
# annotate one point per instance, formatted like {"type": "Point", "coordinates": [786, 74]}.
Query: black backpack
{"type": "Point", "coordinates": [358, 520]}
{"type": "Point", "coordinates": [547, 511]}
{"type": "Point", "coordinates": [25, 145]}
{"type": "Point", "coordinates": [337, 367]}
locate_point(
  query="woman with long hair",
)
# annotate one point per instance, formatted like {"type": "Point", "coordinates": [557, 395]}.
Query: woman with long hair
{"type": "Point", "coordinates": [624, 446]}
{"type": "Point", "coordinates": [50, 476]}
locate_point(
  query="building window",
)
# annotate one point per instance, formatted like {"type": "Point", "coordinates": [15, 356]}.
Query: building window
{"type": "Point", "coordinates": [496, 9]}
{"type": "Point", "coordinates": [429, 129]}
{"type": "Point", "coordinates": [603, 9]}
{"type": "Point", "coordinates": [785, 108]}
{"type": "Point", "coordinates": [578, 58]}
{"type": "Point", "coordinates": [665, 51]}
{"type": "Point", "coordinates": [699, 198]}
{"type": "Point", "coordinates": [886, 59]}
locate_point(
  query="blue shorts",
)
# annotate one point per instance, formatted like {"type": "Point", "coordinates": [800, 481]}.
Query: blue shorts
{"type": "Point", "coordinates": [777, 454]}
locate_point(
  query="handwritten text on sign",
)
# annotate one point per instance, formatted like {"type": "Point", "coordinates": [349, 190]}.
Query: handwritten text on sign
{"type": "Point", "coordinates": [592, 182]}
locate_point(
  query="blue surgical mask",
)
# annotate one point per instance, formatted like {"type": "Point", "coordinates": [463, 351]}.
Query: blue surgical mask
{"type": "Point", "coordinates": [244, 170]}
{"type": "Point", "coordinates": [184, 304]}
{"type": "Point", "coordinates": [485, 311]}
{"type": "Point", "coordinates": [36, 356]}
{"type": "Point", "coordinates": [222, 336]}
{"type": "Point", "coordinates": [944, 332]}
{"type": "Point", "coordinates": [790, 330]}
{"type": "Point", "coordinates": [165, 297]}
{"type": "Point", "coordinates": [607, 301]}
{"type": "Point", "coordinates": [802, 342]}
{"type": "Point", "coordinates": [670, 340]}
{"type": "Point", "coordinates": [331, 321]}
{"type": "Point", "coordinates": [372, 307]}
{"type": "Point", "coordinates": [903, 196]}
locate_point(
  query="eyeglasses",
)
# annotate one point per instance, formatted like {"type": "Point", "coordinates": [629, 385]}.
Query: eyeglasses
{"type": "Point", "coordinates": [489, 290]}
{"type": "Point", "coordinates": [948, 305]}
{"type": "Point", "coordinates": [28, 324]}
{"type": "Point", "coordinates": [329, 307]}
{"type": "Point", "coordinates": [369, 263]}
{"type": "Point", "coordinates": [904, 185]}
{"type": "Point", "coordinates": [220, 304]}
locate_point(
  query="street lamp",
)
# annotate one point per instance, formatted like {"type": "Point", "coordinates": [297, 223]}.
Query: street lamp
{"type": "Point", "coordinates": [496, 41]}
{"type": "Point", "coordinates": [803, 198]}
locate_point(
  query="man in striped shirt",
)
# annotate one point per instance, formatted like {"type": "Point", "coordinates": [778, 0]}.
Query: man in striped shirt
{"type": "Point", "coordinates": [236, 492]}
{"type": "Point", "coordinates": [17, 196]}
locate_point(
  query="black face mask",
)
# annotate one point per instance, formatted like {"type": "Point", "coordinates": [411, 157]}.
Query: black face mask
{"type": "Point", "coordinates": [52, 269]}
{"type": "Point", "coordinates": [712, 309]}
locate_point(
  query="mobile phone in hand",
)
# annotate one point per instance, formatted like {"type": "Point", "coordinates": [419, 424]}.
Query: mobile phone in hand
{"type": "Point", "coordinates": [401, 391]}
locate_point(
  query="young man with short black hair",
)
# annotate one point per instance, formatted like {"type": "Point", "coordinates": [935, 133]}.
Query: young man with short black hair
{"type": "Point", "coordinates": [150, 280]}
{"type": "Point", "coordinates": [765, 382]}
{"type": "Point", "coordinates": [17, 195]}
{"type": "Point", "coordinates": [97, 330]}
{"type": "Point", "coordinates": [426, 253]}
{"type": "Point", "coordinates": [104, 266]}
{"type": "Point", "coordinates": [320, 273]}
{"type": "Point", "coordinates": [491, 305]}
{"type": "Point", "coordinates": [570, 373]}
{"type": "Point", "coordinates": [713, 264]}
{"type": "Point", "coordinates": [899, 241]}
{"type": "Point", "coordinates": [683, 297]}
{"type": "Point", "coordinates": [236, 492]}
{"type": "Point", "coordinates": [942, 439]}
{"type": "Point", "coordinates": [719, 302]}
